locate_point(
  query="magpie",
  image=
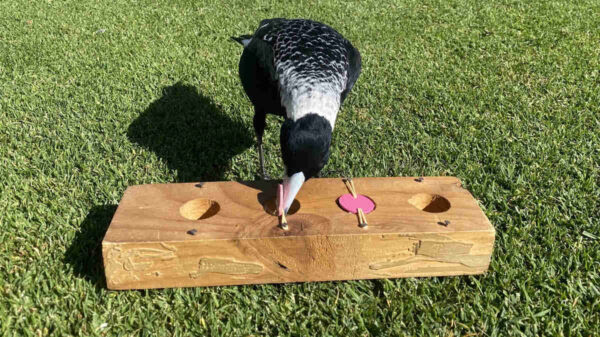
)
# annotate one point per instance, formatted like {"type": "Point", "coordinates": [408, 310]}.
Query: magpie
{"type": "Point", "coordinates": [302, 70]}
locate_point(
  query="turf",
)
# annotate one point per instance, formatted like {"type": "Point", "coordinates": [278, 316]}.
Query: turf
{"type": "Point", "coordinates": [96, 96]}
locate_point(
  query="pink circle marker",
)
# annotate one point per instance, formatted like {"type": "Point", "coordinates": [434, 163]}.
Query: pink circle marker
{"type": "Point", "coordinates": [349, 204]}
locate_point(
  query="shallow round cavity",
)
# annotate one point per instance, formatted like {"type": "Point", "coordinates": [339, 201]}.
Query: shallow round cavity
{"type": "Point", "coordinates": [271, 207]}
{"type": "Point", "coordinates": [432, 203]}
{"type": "Point", "coordinates": [200, 208]}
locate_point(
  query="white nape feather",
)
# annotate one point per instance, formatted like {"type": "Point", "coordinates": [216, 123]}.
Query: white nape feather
{"type": "Point", "coordinates": [301, 95]}
{"type": "Point", "coordinates": [318, 99]}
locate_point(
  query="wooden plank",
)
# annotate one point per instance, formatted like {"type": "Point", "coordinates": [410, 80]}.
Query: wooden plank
{"type": "Point", "coordinates": [238, 241]}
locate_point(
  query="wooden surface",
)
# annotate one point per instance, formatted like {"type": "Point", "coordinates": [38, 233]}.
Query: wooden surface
{"type": "Point", "coordinates": [237, 240]}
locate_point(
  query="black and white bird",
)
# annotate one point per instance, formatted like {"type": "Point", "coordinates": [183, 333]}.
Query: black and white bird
{"type": "Point", "coordinates": [302, 70]}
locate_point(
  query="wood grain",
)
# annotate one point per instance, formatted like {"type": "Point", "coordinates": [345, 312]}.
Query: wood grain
{"type": "Point", "coordinates": [237, 240]}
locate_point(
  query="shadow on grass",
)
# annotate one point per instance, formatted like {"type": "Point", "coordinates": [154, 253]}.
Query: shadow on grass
{"type": "Point", "coordinates": [191, 134]}
{"type": "Point", "coordinates": [85, 252]}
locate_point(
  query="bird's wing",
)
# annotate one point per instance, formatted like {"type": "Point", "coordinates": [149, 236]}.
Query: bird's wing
{"type": "Point", "coordinates": [262, 46]}
{"type": "Point", "coordinates": [354, 69]}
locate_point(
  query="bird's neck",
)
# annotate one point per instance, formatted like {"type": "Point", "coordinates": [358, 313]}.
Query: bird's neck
{"type": "Point", "coordinates": [301, 102]}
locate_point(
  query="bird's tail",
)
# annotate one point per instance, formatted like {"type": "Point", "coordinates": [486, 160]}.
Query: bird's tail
{"type": "Point", "coordinates": [243, 39]}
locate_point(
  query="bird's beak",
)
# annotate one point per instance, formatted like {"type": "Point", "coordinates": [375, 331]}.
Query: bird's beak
{"type": "Point", "coordinates": [291, 186]}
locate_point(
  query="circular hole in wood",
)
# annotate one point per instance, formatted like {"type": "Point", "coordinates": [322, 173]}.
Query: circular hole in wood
{"type": "Point", "coordinates": [432, 203]}
{"type": "Point", "coordinates": [198, 209]}
{"type": "Point", "coordinates": [271, 207]}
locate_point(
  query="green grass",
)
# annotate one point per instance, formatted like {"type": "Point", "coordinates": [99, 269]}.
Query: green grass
{"type": "Point", "coordinates": [96, 96]}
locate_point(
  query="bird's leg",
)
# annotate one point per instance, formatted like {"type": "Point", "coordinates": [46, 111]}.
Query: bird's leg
{"type": "Point", "coordinates": [262, 160]}
{"type": "Point", "coordinates": [259, 127]}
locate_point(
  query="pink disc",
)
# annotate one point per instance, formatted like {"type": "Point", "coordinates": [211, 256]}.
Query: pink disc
{"type": "Point", "coordinates": [348, 203]}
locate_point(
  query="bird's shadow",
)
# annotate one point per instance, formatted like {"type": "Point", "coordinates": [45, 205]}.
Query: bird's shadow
{"type": "Point", "coordinates": [85, 252]}
{"type": "Point", "coordinates": [193, 135]}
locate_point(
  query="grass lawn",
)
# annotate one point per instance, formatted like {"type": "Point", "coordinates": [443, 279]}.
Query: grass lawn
{"type": "Point", "coordinates": [96, 96]}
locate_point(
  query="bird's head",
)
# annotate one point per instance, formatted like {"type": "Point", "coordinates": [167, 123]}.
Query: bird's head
{"type": "Point", "coordinates": [305, 150]}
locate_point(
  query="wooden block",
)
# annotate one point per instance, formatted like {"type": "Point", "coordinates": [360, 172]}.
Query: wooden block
{"type": "Point", "coordinates": [428, 228]}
